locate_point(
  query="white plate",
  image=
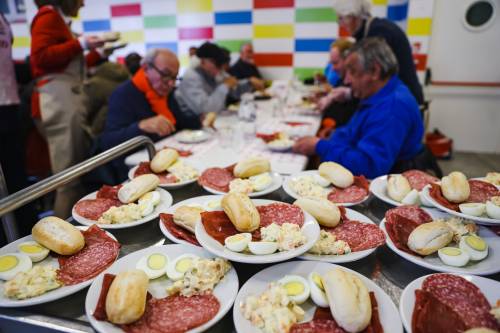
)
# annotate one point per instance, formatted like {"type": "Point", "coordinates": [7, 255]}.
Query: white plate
{"type": "Point", "coordinates": [487, 266]}
{"type": "Point", "coordinates": [310, 229]}
{"type": "Point", "coordinates": [280, 148]}
{"type": "Point", "coordinates": [388, 313]}
{"type": "Point", "coordinates": [490, 289]}
{"type": "Point", "coordinates": [276, 184]}
{"type": "Point", "coordinates": [479, 219]}
{"type": "Point", "coordinates": [172, 186]}
{"type": "Point", "coordinates": [192, 136]}
{"type": "Point", "coordinates": [166, 201]}
{"type": "Point", "coordinates": [378, 187]}
{"type": "Point", "coordinates": [50, 295]}
{"type": "Point", "coordinates": [483, 179]}
{"type": "Point", "coordinates": [288, 189]}
{"type": "Point", "coordinates": [353, 256]}
{"type": "Point", "coordinates": [225, 291]}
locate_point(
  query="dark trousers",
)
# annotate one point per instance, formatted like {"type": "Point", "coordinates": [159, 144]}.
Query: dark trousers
{"type": "Point", "coordinates": [424, 161]}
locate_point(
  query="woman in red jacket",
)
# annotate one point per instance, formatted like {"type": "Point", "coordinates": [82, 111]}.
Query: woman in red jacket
{"type": "Point", "coordinates": [58, 65]}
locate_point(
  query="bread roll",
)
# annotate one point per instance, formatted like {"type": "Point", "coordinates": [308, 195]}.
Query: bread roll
{"type": "Point", "coordinates": [58, 235]}
{"type": "Point", "coordinates": [324, 211]}
{"type": "Point", "coordinates": [187, 217]}
{"type": "Point", "coordinates": [241, 211]}
{"type": "Point", "coordinates": [429, 237]}
{"type": "Point", "coordinates": [126, 299]}
{"type": "Point", "coordinates": [480, 330]}
{"type": "Point", "coordinates": [349, 299]}
{"type": "Point", "coordinates": [455, 187]}
{"type": "Point", "coordinates": [163, 160]}
{"type": "Point", "coordinates": [251, 167]}
{"type": "Point", "coordinates": [138, 186]}
{"type": "Point", "coordinates": [398, 187]}
{"type": "Point", "coordinates": [336, 174]}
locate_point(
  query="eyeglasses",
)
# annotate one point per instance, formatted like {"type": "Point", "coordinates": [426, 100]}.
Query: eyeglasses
{"type": "Point", "coordinates": [165, 76]}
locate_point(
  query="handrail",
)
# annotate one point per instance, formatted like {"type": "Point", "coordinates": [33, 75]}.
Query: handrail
{"type": "Point", "coordinates": [47, 185]}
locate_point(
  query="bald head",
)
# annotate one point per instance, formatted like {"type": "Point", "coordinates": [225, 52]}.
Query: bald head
{"type": "Point", "coordinates": [161, 67]}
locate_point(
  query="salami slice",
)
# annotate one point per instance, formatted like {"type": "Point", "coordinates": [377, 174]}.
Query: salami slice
{"type": "Point", "coordinates": [176, 230]}
{"type": "Point", "coordinates": [280, 213]}
{"type": "Point", "coordinates": [93, 209]}
{"type": "Point", "coordinates": [108, 192]}
{"type": "Point", "coordinates": [216, 178]}
{"type": "Point", "coordinates": [436, 194]}
{"type": "Point", "coordinates": [401, 221]}
{"type": "Point", "coordinates": [142, 169]}
{"type": "Point", "coordinates": [354, 193]}
{"type": "Point", "coordinates": [165, 177]}
{"type": "Point", "coordinates": [100, 308]}
{"type": "Point", "coordinates": [419, 179]}
{"type": "Point", "coordinates": [482, 191]}
{"type": "Point", "coordinates": [181, 152]}
{"type": "Point", "coordinates": [360, 236]}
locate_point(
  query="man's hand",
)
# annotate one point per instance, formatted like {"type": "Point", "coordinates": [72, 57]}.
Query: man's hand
{"type": "Point", "coordinates": [340, 94]}
{"type": "Point", "coordinates": [231, 82]}
{"type": "Point", "coordinates": [306, 145]}
{"type": "Point", "coordinates": [157, 125]}
{"type": "Point", "coordinates": [93, 42]}
{"type": "Point", "coordinates": [257, 83]}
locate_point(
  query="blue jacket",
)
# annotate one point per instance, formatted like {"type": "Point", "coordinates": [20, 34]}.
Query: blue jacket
{"type": "Point", "coordinates": [385, 129]}
{"type": "Point", "coordinates": [331, 75]}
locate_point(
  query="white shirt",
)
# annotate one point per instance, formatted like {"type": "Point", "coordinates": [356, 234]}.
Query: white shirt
{"type": "Point", "coordinates": [8, 84]}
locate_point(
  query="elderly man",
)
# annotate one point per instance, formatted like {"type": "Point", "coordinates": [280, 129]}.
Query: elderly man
{"type": "Point", "coordinates": [387, 128]}
{"type": "Point", "coordinates": [245, 67]}
{"type": "Point", "coordinates": [354, 17]}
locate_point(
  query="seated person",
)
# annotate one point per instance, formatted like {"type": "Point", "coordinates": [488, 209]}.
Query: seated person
{"type": "Point", "coordinates": [386, 129]}
{"type": "Point", "coordinates": [245, 67]}
{"type": "Point", "coordinates": [133, 62]}
{"type": "Point", "coordinates": [145, 105]}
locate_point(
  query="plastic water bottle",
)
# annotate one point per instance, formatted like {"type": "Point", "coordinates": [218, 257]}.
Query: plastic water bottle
{"type": "Point", "coordinates": [247, 116]}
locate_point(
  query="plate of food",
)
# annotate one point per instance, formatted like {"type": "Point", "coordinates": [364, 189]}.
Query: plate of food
{"type": "Point", "coordinates": [192, 136]}
{"type": "Point", "coordinates": [172, 171]}
{"type": "Point", "coordinates": [56, 260]}
{"type": "Point", "coordinates": [441, 242]}
{"type": "Point", "coordinates": [311, 296]}
{"type": "Point", "coordinates": [123, 206]}
{"type": "Point", "coordinates": [492, 178]}
{"type": "Point", "coordinates": [281, 143]}
{"type": "Point", "coordinates": [345, 235]}
{"type": "Point", "coordinates": [331, 181]}
{"type": "Point", "coordinates": [255, 231]}
{"type": "Point", "coordinates": [403, 189]}
{"type": "Point", "coordinates": [463, 303]}
{"type": "Point", "coordinates": [471, 199]}
{"type": "Point", "coordinates": [252, 176]}
{"type": "Point", "coordinates": [168, 288]}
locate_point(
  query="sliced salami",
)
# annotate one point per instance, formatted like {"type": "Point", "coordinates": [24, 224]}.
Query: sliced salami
{"type": "Point", "coordinates": [354, 193]}
{"type": "Point", "coordinates": [280, 213]}
{"type": "Point", "coordinates": [93, 209]}
{"type": "Point", "coordinates": [181, 152]}
{"type": "Point", "coordinates": [216, 178]}
{"type": "Point", "coordinates": [178, 231]}
{"type": "Point", "coordinates": [165, 177]}
{"type": "Point", "coordinates": [108, 192]}
{"type": "Point", "coordinates": [360, 236]}
{"type": "Point", "coordinates": [419, 179]}
{"type": "Point", "coordinates": [482, 191]}
{"type": "Point", "coordinates": [100, 308]}
{"type": "Point", "coordinates": [401, 221]}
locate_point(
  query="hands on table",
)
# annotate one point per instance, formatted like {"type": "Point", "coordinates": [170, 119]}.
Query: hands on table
{"type": "Point", "coordinates": [157, 125]}
{"type": "Point", "coordinates": [306, 145]}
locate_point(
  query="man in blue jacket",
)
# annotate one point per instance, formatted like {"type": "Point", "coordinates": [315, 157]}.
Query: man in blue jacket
{"type": "Point", "coordinates": [386, 129]}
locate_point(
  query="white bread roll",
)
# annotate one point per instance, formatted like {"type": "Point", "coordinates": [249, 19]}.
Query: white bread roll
{"type": "Point", "coordinates": [126, 299]}
{"type": "Point", "coordinates": [429, 237]}
{"type": "Point", "coordinates": [324, 211]}
{"type": "Point", "coordinates": [251, 167]}
{"type": "Point", "coordinates": [137, 187]}
{"type": "Point", "coordinates": [241, 211]}
{"type": "Point", "coordinates": [398, 187]}
{"type": "Point", "coordinates": [163, 160]}
{"type": "Point", "coordinates": [58, 235]}
{"type": "Point", "coordinates": [480, 330]}
{"type": "Point", "coordinates": [349, 299]}
{"type": "Point", "coordinates": [336, 174]}
{"type": "Point", "coordinates": [455, 187]}
{"type": "Point", "coordinates": [187, 217]}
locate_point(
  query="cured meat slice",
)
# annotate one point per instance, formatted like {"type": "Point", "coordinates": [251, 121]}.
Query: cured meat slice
{"type": "Point", "coordinates": [108, 192]}
{"type": "Point", "coordinates": [176, 230]}
{"type": "Point", "coordinates": [181, 152]}
{"type": "Point", "coordinates": [93, 209]}
{"type": "Point", "coordinates": [436, 194]}
{"type": "Point", "coordinates": [479, 192]}
{"type": "Point", "coordinates": [100, 308]}
{"type": "Point", "coordinates": [450, 303]}
{"type": "Point", "coordinates": [280, 213]}
{"type": "Point", "coordinates": [142, 169]}
{"type": "Point", "coordinates": [218, 225]}
{"type": "Point", "coordinates": [165, 177]}
{"type": "Point", "coordinates": [354, 193]}
{"type": "Point", "coordinates": [360, 236]}
{"type": "Point", "coordinates": [419, 179]}
{"type": "Point", "coordinates": [216, 178]}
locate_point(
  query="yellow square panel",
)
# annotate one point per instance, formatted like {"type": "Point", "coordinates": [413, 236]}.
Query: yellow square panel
{"type": "Point", "coordinates": [21, 42]}
{"type": "Point", "coordinates": [419, 26]}
{"type": "Point", "coordinates": [136, 36]}
{"type": "Point", "coordinates": [273, 31]}
{"type": "Point", "coordinates": [379, 2]}
{"type": "Point", "coordinates": [194, 6]}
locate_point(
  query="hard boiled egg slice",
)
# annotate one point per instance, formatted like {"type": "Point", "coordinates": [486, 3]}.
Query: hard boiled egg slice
{"type": "Point", "coordinates": [317, 290]}
{"type": "Point", "coordinates": [296, 288]}
{"type": "Point", "coordinates": [412, 198]}
{"type": "Point", "coordinates": [262, 248]}
{"type": "Point", "coordinates": [146, 208]}
{"type": "Point", "coordinates": [424, 201]}
{"type": "Point", "coordinates": [261, 182]}
{"type": "Point", "coordinates": [475, 246]}
{"type": "Point", "coordinates": [453, 256]}
{"type": "Point", "coordinates": [178, 267]}
{"type": "Point", "coordinates": [35, 251]}
{"type": "Point", "coordinates": [238, 242]}
{"type": "Point", "coordinates": [153, 196]}
{"type": "Point", "coordinates": [473, 208]}
{"type": "Point", "coordinates": [154, 265]}
{"type": "Point", "coordinates": [321, 181]}
{"type": "Point", "coordinates": [212, 205]}
{"type": "Point", "coordinates": [13, 263]}
{"type": "Point", "coordinates": [493, 208]}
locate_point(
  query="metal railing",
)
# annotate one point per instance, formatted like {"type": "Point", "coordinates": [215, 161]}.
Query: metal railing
{"type": "Point", "coordinates": [48, 185]}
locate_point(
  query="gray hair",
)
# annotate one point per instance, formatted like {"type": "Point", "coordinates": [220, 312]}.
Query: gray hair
{"type": "Point", "coordinates": [150, 56]}
{"type": "Point", "coordinates": [358, 8]}
{"type": "Point", "coordinates": [375, 50]}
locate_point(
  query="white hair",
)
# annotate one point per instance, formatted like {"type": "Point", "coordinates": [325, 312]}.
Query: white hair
{"type": "Point", "coordinates": [358, 8]}
{"type": "Point", "coordinates": [150, 56]}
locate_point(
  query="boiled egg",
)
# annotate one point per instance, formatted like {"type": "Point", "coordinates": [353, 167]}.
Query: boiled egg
{"type": "Point", "coordinates": [424, 200]}
{"type": "Point", "coordinates": [146, 208]}
{"type": "Point", "coordinates": [13, 263]}
{"type": "Point", "coordinates": [261, 182]}
{"type": "Point", "coordinates": [297, 288]}
{"type": "Point", "coordinates": [153, 196]}
{"type": "Point", "coordinates": [261, 248]}
{"type": "Point", "coordinates": [238, 242]}
{"type": "Point", "coordinates": [453, 256]}
{"type": "Point", "coordinates": [212, 205]}
{"type": "Point", "coordinates": [317, 290]}
{"type": "Point", "coordinates": [35, 251]}
{"type": "Point", "coordinates": [493, 208]}
{"type": "Point", "coordinates": [412, 198]}
{"type": "Point", "coordinates": [178, 267]}
{"type": "Point", "coordinates": [475, 246]}
{"type": "Point", "coordinates": [472, 208]}
{"type": "Point", "coordinates": [154, 265]}
{"type": "Point", "coordinates": [321, 181]}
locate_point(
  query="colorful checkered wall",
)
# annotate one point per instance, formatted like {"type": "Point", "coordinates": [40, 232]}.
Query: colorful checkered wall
{"type": "Point", "coordinates": [290, 37]}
